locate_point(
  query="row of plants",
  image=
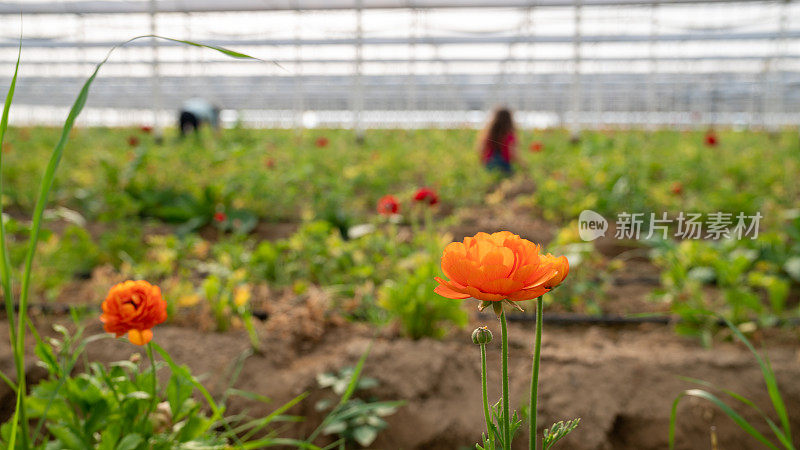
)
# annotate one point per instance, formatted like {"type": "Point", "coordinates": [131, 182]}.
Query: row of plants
{"type": "Point", "coordinates": [320, 172]}
{"type": "Point", "coordinates": [753, 282]}
{"type": "Point", "coordinates": [371, 274]}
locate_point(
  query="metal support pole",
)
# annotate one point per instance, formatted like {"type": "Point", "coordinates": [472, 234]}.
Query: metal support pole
{"type": "Point", "coordinates": [528, 101]}
{"type": "Point", "coordinates": [411, 100]}
{"type": "Point", "coordinates": [575, 125]}
{"type": "Point", "coordinates": [651, 81]}
{"type": "Point", "coordinates": [358, 92]}
{"type": "Point", "coordinates": [779, 82]}
{"type": "Point", "coordinates": [298, 94]}
{"type": "Point", "coordinates": [156, 82]}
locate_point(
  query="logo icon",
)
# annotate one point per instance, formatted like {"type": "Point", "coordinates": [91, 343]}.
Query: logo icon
{"type": "Point", "coordinates": [591, 225]}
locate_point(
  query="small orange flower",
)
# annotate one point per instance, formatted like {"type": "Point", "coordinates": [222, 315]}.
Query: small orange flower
{"type": "Point", "coordinates": [499, 266]}
{"type": "Point", "coordinates": [133, 307]}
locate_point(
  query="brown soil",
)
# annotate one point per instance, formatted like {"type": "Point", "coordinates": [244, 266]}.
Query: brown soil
{"type": "Point", "coordinates": [610, 377]}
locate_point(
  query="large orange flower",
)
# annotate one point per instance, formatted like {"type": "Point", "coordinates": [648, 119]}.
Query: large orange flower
{"type": "Point", "coordinates": [134, 307]}
{"type": "Point", "coordinates": [499, 266]}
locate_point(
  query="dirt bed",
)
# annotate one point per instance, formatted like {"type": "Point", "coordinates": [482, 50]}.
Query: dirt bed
{"type": "Point", "coordinates": [620, 381]}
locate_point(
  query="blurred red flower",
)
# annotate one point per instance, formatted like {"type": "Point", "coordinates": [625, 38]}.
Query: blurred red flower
{"type": "Point", "coordinates": [536, 146]}
{"type": "Point", "coordinates": [677, 188]}
{"type": "Point", "coordinates": [426, 195]}
{"type": "Point", "coordinates": [220, 216]}
{"type": "Point", "coordinates": [133, 141]}
{"type": "Point", "coordinates": [322, 142]}
{"type": "Point", "coordinates": [388, 205]}
{"type": "Point", "coordinates": [146, 129]}
{"type": "Point", "coordinates": [269, 162]}
{"type": "Point", "coordinates": [711, 139]}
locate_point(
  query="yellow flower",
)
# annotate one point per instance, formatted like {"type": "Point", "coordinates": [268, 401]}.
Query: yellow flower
{"type": "Point", "coordinates": [241, 295]}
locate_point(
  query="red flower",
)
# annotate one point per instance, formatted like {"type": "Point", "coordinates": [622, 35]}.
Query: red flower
{"type": "Point", "coordinates": [711, 139]}
{"type": "Point", "coordinates": [133, 141]}
{"type": "Point", "coordinates": [270, 163]}
{"type": "Point", "coordinates": [677, 188]}
{"type": "Point", "coordinates": [220, 216]}
{"type": "Point", "coordinates": [388, 205]}
{"type": "Point", "coordinates": [426, 195]}
{"type": "Point", "coordinates": [536, 146]}
{"type": "Point", "coordinates": [146, 129]}
{"type": "Point", "coordinates": [322, 142]}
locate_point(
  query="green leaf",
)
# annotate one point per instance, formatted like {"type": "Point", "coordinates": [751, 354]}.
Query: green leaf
{"type": "Point", "coordinates": [130, 442]}
{"type": "Point", "coordinates": [66, 437]}
{"type": "Point", "coordinates": [557, 431]}
{"type": "Point", "coordinates": [365, 435]}
{"type": "Point", "coordinates": [139, 395]}
{"type": "Point", "coordinates": [179, 389]}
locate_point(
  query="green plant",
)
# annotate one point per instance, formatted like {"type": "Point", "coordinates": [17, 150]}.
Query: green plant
{"type": "Point", "coordinates": [356, 420]}
{"type": "Point", "coordinates": [781, 431]}
{"type": "Point", "coordinates": [410, 300]}
{"type": "Point", "coordinates": [750, 276]}
{"type": "Point", "coordinates": [228, 295]}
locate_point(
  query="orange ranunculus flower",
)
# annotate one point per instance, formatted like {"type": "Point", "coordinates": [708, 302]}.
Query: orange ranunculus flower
{"type": "Point", "coordinates": [499, 266]}
{"type": "Point", "coordinates": [134, 307]}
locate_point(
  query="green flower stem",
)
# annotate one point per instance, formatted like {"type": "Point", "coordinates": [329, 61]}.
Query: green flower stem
{"type": "Point", "coordinates": [489, 434]}
{"type": "Point", "coordinates": [154, 399]}
{"type": "Point", "coordinates": [506, 408]}
{"type": "Point", "coordinates": [537, 353]}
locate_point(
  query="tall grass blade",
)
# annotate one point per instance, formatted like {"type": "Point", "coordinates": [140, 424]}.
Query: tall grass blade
{"type": "Point", "coordinates": [19, 358]}
{"type": "Point", "coordinates": [744, 400]}
{"type": "Point", "coordinates": [769, 380]}
{"type": "Point", "coordinates": [740, 421]}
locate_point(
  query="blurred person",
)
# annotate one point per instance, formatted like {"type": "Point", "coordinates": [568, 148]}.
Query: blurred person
{"type": "Point", "coordinates": [497, 142]}
{"type": "Point", "coordinates": [194, 113]}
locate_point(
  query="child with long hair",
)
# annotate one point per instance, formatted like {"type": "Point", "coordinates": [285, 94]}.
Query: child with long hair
{"type": "Point", "coordinates": [497, 142]}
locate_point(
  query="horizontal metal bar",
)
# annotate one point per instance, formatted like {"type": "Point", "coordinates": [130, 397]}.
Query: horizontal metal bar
{"type": "Point", "coordinates": [657, 59]}
{"type": "Point", "coordinates": [204, 6]}
{"type": "Point", "coordinates": [428, 40]}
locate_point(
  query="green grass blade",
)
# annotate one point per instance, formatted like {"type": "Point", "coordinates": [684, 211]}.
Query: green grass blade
{"type": "Point", "coordinates": [769, 380]}
{"type": "Point", "coordinates": [740, 421]}
{"type": "Point", "coordinates": [351, 386]}
{"type": "Point", "coordinates": [274, 442]}
{"type": "Point", "coordinates": [5, 273]}
{"type": "Point", "coordinates": [744, 400]}
{"type": "Point", "coordinates": [5, 263]}
{"type": "Point", "coordinates": [274, 415]}
{"type": "Point", "coordinates": [8, 381]}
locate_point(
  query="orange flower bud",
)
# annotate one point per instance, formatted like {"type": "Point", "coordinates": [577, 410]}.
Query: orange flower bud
{"type": "Point", "coordinates": [133, 307]}
{"type": "Point", "coordinates": [499, 266]}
